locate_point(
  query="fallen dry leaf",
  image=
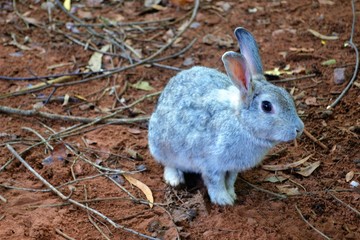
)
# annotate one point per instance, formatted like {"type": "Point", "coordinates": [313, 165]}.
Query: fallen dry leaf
{"type": "Point", "coordinates": [288, 190]}
{"type": "Point", "coordinates": [275, 179]}
{"type": "Point", "coordinates": [134, 130]}
{"type": "Point", "coordinates": [286, 166]}
{"type": "Point", "coordinates": [349, 176]}
{"type": "Point", "coordinates": [142, 85]}
{"type": "Point", "coordinates": [95, 61]}
{"type": "Point", "coordinates": [311, 101]}
{"type": "Point", "coordinates": [142, 186]}
{"type": "Point", "coordinates": [222, 41]}
{"type": "Point", "coordinates": [308, 170]}
{"type": "Point", "coordinates": [134, 154]}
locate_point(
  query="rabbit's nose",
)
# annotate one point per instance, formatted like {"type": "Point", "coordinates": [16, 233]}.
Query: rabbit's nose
{"type": "Point", "coordinates": [299, 128]}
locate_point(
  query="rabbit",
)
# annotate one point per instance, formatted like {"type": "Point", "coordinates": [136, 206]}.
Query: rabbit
{"type": "Point", "coordinates": [218, 125]}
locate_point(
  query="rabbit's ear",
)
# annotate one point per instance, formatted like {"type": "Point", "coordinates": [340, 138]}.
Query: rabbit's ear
{"type": "Point", "coordinates": [237, 70]}
{"type": "Point", "coordinates": [249, 49]}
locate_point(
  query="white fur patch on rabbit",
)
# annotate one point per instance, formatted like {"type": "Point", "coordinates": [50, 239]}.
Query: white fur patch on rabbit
{"type": "Point", "coordinates": [231, 95]}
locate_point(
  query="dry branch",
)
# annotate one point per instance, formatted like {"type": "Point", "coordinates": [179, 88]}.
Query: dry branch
{"type": "Point", "coordinates": [106, 119]}
{"type": "Point", "coordinates": [314, 139]}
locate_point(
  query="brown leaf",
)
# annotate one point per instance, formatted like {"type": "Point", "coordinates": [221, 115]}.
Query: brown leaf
{"type": "Point", "coordinates": [288, 190]}
{"type": "Point", "coordinates": [311, 101]}
{"type": "Point", "coordinates": [308, 170]}
{"type": "Point", "coordinates": [280, 167]}
{"type": "Point", "coordinates": [134, 130]}
{"type": "Point", "coordinates": [349, 176]}
{"type": "Point", "coordinates": [85, 14]}
{"type": "Point", "coordinates": [142, 186]}
{"type": "Point", "coordinates": [275, 178]}
{"type": "Point", "coordinates": [134, 154]}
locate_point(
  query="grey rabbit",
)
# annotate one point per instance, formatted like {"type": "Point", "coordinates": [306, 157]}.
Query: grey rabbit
{"type": "Point", "coordinates": [218, 125]}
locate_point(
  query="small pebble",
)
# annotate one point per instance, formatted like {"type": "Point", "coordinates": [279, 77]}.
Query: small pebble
{"type": "Point", "coordinates": [326, 114]}
{"type": "Point", "coordinates": [354, 184]}
{"type": "Point", "coordinates": [119, 179]}
{"type": "Point", "coordinates": [339, 75]}
{"type": "Point", "coordinates": [141, 167]}
{"type": "Point", "coordinates": [188, 61]}
{"type": "Point", "coordinates": [195, 25]}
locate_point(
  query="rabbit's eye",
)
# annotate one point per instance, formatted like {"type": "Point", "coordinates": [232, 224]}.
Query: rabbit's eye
{"type": "Point", "coordinates": [266, 106]}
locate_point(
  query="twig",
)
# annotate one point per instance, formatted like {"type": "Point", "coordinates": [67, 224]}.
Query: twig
{"type": "Point", "coordinates": [38, 87]}
{"type": "Point", "coordinates": [182, 51]}
{"type": "Point", "coordinates": [106, 119]}
{"type": "Point", "coordinates": [47, 76]}
{"type": "Point", "coordinates": [58, 231]}
{"type": "Point", "coordinates": [94, 164]}
{"type": "Point", "coordinates": [314, 139]}
{"type": "Point", "coordinates": [173, 222]}
{"type": "Point", "coordinates": [282, 196]}
{"type": "Point", "coordinates": [121, 24]}
{"type": "Point", "coordinates": [138, 101]}
{"type": "Point", "coordinates": [167, 67]}
{"type": "Point", "coordinates": [294, 78]}
{"type": "Point", "coordinates": [63, 197]}
{"type": "Point", "coordinates": [308, 223]}
{"type": "Point", "coordinates": [345, 204]}
{"type": "Point", "coordinates": [354, 76]}
{"type": "Point", "coordinates": [39, 135]}
{"type": "Point", "coordinates": [3, 199]}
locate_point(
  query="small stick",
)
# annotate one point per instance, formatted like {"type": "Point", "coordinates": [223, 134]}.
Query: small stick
{"type": "Point", "coordinates": [58, 231]}
{"type": "Point", "coordinates": [3, 199]}
{"type": "Point", "coordinates": [294, 78]}
{"type": "Point", "coordinates": [308, 223]}
{"type": "Point", "coordinates": [39, 135]}
{"type": "Point", "coordinates": [105, 119]}
{"type": "Point", "coordinates": [282, 196]}
{"type": "Point", "coordinates": [121, 24]}
{"type": "Point", "coordinates": [345, 204]}
{"type": "Point", "coordinates": [63, 197]}
{"type": "Point", "coordinates": [314, 139]}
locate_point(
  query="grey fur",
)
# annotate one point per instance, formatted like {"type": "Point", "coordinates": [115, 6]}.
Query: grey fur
{"type": "Point", "coordinates": [200, 125]}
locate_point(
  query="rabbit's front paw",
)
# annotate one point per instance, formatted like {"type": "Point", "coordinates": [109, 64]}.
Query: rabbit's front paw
{"type": "Point", "coordinates": [173, 176]}
{"type": "Point", "coordinates": [232, 193]}
{"type": "Point", "coordinates": [222, 198]}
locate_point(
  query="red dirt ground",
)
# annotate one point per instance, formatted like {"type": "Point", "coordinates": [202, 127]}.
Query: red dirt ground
{"type": "Point", "coordinates": [185, 212]}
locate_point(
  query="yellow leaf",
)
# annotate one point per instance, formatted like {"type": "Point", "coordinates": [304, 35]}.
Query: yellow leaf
{"type": "Point", "coordinates": [142, 186]}
{"type": "Point", "coordinates": [67, 4]}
